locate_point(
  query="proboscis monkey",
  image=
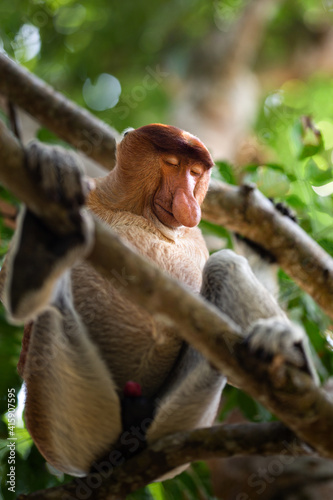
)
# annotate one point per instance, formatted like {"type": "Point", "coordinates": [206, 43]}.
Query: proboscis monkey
{"type": "Point", "coordinates": [98, 369]}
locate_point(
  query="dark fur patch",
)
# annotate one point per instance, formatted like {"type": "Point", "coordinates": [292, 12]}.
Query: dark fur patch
{"type": "Point", "coordinates": [167, 138]}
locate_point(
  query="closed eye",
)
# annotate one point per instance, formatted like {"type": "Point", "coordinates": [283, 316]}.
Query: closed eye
{"type": "Point", "coordinates": [196, 172]}
{"type": "Point", "coordinates": [171, 160]}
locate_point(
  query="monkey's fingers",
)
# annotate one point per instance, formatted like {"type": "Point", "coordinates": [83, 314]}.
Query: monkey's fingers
{"type": "Point", "coordinates": [59, 173]}
{"type": "Point", "coordinates": [275, 340]}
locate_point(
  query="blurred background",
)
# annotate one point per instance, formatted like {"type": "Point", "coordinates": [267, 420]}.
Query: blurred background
{"type": "Point", "coordinates": [254, 80]}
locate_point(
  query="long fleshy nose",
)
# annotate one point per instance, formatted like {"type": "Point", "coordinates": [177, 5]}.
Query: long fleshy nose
{"type": "Point", "coordinates": [185, 208]}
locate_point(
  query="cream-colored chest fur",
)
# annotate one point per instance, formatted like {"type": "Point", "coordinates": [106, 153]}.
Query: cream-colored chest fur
{"type": "Point", "coordinates": [183, 256]}
{"type": "Point", "coordinates": [150, 347]}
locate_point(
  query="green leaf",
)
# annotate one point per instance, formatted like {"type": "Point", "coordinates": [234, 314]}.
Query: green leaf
{"type": "Point", "coordinates": [295, 202]}
{"type": "Point", "coordinates": [307, 139]}
{"type": "Point", "coordinates": [188, 485]}
{"type": "Point", "coordinates": [142, 494]}
{"type": "Point", "coordinates": [316, 175]}
{"type": "Point", "coordinates": [327, 245]}
{"type": "Point", "coordinates": [272, 182]}
{"type": "Point", "coordinates": [157, 491]}
{"type": "Point", "coordinates": [202, 474]}
{"type": "Point", "coordinates": [251, 409]}
{"type": "Point", "coordinates": [226, 172]}
{"type": "Point", "coordinates": [211, 228]}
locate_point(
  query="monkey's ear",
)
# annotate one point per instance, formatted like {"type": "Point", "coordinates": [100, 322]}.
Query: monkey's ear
{"type": "Point", "coordinates": [127, 131]}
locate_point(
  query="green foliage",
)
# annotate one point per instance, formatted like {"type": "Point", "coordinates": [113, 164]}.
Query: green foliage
{"type": "Point", "coordinates": [70, 45]}
{"type": "Point", "coordinates": [32, 473]}
{"type": "Point", "coordinates": [224, 171]}
{"type": "Point", "coordinates": [192, 484]}
{"type": "Point", "coordinates": [303, 152]}
{"type": "Point", "coordinates": [10, 345]}
{"type": "Point", "coordinates": [146, 47]}
{"type": "Point", "coordinates": [272, 181]}
{"type": "Point", "coordinates": [6, 233]}
{"type": "Point", "coordinates": [307, 140]}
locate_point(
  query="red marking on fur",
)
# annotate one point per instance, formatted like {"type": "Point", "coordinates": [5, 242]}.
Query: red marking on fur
{"type": "Point", "coordinates": [132, 389]}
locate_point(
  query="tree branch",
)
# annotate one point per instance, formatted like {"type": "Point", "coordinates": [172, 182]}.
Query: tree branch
{"type": "Point", "coordinates": [176, 450]}
{"type": "Point", "coordinates": [70, 122]}
{"type": "Point", "coordinates": [247, 212]}
{"type": "Point", "coordinates": [286, 391]}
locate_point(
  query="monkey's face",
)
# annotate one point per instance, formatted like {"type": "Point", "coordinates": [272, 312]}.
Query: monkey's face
{"type": "Point", "coordinates": [171, 170]}
{"type": "Point", "coordinates": [181, 190]}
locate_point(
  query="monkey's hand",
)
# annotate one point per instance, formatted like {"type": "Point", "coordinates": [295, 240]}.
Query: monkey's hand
{"type": "Point", "coordinates": [40, 253]}
{"type": "Point", "coordinates": [275, 341]}
{"type": "Point", "coordinates": [62, 182]}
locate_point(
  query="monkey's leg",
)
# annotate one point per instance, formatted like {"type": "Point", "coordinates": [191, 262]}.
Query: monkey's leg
{"type": "Point", "coordinates": [72, 408]}
{"type": "Point", "coordinates": [192, 398]}
{"type": "Point", "coordinates": [189, 400]}
{"type": "Point", "coordinates": [230, 284]}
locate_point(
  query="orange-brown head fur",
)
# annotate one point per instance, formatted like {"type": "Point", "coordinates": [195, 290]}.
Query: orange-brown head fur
{"type": "Point", "coordinates": [140, 172]}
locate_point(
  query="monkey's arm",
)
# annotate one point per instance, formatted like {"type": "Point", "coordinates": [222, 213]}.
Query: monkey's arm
{"type": "Point", "coordinates": [39, 254]}
{"type": "Point", "coordinates": [232, 286]}
{"type": "Point", "coordinates": [268, 338]}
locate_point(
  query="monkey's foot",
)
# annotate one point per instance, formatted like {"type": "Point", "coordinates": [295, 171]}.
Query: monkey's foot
{"type": "Point", "coordinates": [40, 256]}
{"type": "Point", "coordinates": [272, 338]}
